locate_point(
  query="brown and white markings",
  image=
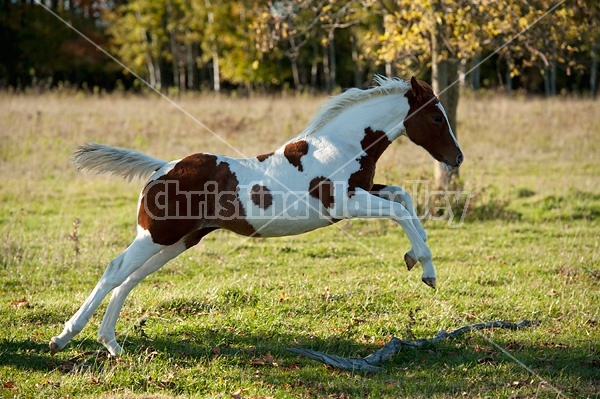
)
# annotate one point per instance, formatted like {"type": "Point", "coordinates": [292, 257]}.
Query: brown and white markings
{"type": "Point", "coordinates": [323, 175]}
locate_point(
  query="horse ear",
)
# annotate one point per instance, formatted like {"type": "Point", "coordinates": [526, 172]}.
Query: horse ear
{"type": "Point", "coordinates": [418, 90]}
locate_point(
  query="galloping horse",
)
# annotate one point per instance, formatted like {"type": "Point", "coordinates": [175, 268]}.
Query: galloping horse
{"type": "Point", "coordinates": [323, 175]}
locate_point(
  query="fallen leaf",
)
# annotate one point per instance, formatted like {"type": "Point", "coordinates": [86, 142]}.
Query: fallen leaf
{"type": "Point", "coordinates": [20, 303]}
{"type": "Point", "coordinates": [265, 360]}
{"type": "Point", "coordinates": [10, 385]}
{"type": "Point", "coordinates": [95, 381]}
{"type": "Point", "coordinates": [283, 296]}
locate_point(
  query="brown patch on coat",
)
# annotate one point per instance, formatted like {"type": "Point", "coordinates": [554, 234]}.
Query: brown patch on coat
{"type": "Point", "coordinates": [322, 189]}
{"type": "Point", "coordinates": [427, 126]}
{"type": "Point", "coordinates": [261, 196]}
{"type": "Point", "coordinates": [197, 193]}
{"type": "Point", "coordinates": [376, 188]}
{"type": "Point", "coordinates": [295, 151]}
{"type": "Point", "coordinates": [263, 157]}
{"type": "Point", "coordinates": [373, 144]}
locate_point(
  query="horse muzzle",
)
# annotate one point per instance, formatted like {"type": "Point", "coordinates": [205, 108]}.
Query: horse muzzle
{"type": "Point", "coordinates": [453, 165]}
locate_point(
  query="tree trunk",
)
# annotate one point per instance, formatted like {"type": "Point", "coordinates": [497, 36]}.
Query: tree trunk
{"type": "Point", "coordinates": [215, 53]}
{"type": "Point", "coordinates": [594, 72]}
{"type": "Point", "coordinates": [356, 61]}
{"type": "Point", "coordinates": [150, 63]}
{"type": "Point", "coordinates": [192, 76]}
{"type": "Point", "coordinates": [296, 73]}
{"type": "Point", "coordinates": [462, 73]}
{"type": "Point", "coordinates": [550, 74]}
{"type": "Point", "coordinates": [386, 26]}
{"type": "Point", "coordinates": [553, 68]}
{"type": "Point", "coordinates": [314, 68]}
{"type": "Point", "coordinates": [507, 77]}
{"type": "Point", "coordinates": [326, 69]}
{"type": "Point", "coordinates": [175, 59]}
{"type": "Point", "coordinates": [216, 70]}
{"type": "Point", "coordinates": [388, 69]}
{"type": "Point", "coordinates": [546, 73]}
{"type": "Point", "coordinates": [182, 77]}
{"type": "Point", "coordinates": [475, 78]}
{"type": "Point", "coordinates": [155, 50]}
{"type": "Point", "coordinates": [149, 59]}
{"type": "Point", "coordinates": [332, 62]}
{"type": "Point", "coordinates": [170, 16]}
{"type": "Point", "coordinates": [444, 76]}
{"type": "Point", "coordinates": [293, 54]}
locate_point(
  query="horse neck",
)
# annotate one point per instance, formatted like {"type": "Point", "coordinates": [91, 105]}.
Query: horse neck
{"type": "Point", "coordinates": [385, 113]}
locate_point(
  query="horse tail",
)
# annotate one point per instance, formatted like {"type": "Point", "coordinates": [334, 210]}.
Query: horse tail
{"type": "Point", "coordinates": [123, 162]}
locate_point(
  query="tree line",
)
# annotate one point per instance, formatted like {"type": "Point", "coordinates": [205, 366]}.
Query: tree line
{"type": "Point", "coordinates": [315, 45]}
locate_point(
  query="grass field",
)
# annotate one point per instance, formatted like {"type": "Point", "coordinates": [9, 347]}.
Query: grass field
{"type": "Point", "coordinates": [215, 322]}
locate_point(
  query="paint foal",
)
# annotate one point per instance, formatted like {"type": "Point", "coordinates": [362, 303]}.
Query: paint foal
{"type": "Point", "coordinates": [320, 177]}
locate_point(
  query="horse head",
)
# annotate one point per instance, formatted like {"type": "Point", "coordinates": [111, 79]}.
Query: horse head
{"type": "Point", "coordinates": [427, 125]}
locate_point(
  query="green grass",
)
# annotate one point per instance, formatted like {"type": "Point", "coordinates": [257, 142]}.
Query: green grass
{"type": "Point", "coordinates": [215, 322]}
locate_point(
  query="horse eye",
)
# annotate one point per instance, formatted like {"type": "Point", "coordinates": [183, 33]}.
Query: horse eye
{"type": "Point", "coordinates": [438, 119]}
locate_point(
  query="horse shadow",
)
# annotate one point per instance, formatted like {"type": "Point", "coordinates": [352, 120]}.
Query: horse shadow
{"type": "Point", "coordinates": [409, 369]}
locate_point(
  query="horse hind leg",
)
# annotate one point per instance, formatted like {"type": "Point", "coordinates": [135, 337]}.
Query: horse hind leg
{"type": "Point", "coordinates": [117, 271]}
{"type": "Point", "coordinates": [106, 333]}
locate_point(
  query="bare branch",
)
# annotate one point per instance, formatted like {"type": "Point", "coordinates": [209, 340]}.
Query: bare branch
{"type": "Point", "coordinates": [395, 345]}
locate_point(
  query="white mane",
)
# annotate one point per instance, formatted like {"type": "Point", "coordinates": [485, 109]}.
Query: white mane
{"type": "Point", "coordinates": [337, 104]}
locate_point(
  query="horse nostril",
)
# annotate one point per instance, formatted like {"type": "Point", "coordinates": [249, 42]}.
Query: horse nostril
{"type": "Point", "coordinates": [459, 159]}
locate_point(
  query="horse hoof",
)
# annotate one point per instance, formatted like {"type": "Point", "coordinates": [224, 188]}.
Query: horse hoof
{"type": "Point", "coordinates": [410, 261]}
{"type": "Point", "coordinates": [116, 351]}
{"type": "Point", "coordinates": [430, 281]}
{"type": "Point", "coordinates": [54, 347]}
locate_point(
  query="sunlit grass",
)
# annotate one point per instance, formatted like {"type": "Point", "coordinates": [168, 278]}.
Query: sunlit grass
{"type": "Point", "coordinates": [217, 320]}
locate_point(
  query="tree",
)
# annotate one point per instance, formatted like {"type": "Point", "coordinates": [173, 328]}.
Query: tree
{"type": "Point", "coordinates": [305, 32]}
{"type": "Point", "coordinates": [139, 37]}
{"type": "Point", "coordinates": [290, 25]}
{"type": "Point", "coordinates": [38, 50]}
{"type": "Point", "coordinates": [436, 34]}
{"type": "Point", "coordinates": [549, 40]}
{"type": "Point", "coordinates": [587, 19]}
{"type": "Point", "coordinates": [321, 44]}
{"type": "Point", "coordinates": [242, 59]}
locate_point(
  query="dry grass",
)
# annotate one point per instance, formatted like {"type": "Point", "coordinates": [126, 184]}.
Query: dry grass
{"type": "Point", "coordinates": [547, 145]}
{"type": "Point", "coordinates": [149, 124]}
{"type": "Point", "coordinates": [218, 311]}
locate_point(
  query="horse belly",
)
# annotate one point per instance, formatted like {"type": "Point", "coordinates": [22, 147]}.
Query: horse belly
{"type": "Point", "coordinates": [279, 220]}
{"type": "Point", "coordinates": [281, 227]}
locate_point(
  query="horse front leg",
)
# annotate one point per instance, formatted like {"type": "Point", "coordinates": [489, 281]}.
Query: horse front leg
{"type": "Point", "coordinates": [398, 194]}
{"type": "Point", "coordinates": [363, 204]}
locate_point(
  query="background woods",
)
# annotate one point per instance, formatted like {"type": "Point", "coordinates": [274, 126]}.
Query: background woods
{"type": "Point", "coordinates": [317, 45]}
